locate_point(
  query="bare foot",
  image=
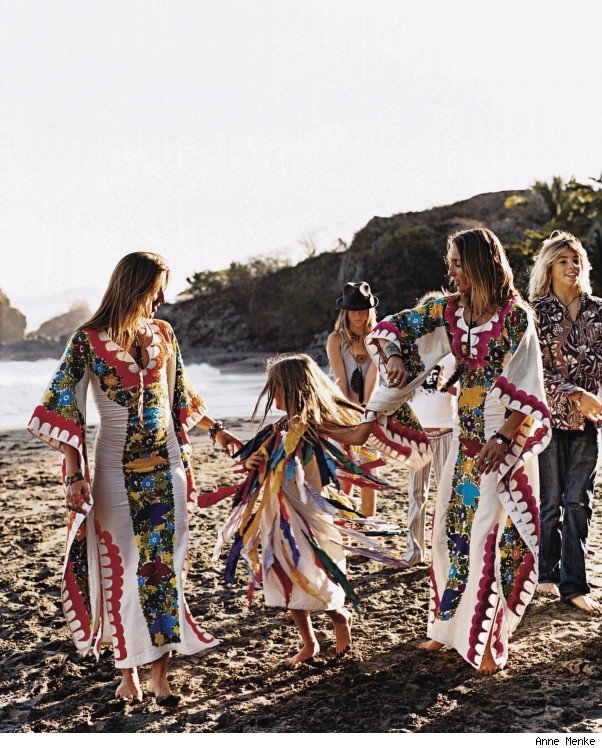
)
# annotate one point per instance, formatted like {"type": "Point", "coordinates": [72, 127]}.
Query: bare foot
{"type": "Point", "coordinates": [158, 684]}
{"type": "Point", "coordinates": [549, 589]}
{"type": "Point", "coordinates": [430, 645]}
{"type": "Point", "coordinates": [488, 665]}
{"type": "Point", "coordinates": [341, 621]}
{"type": "Point", "coordinates": [129, 688]}
{"type": "Point", "coordinates": [585, 603]}
{"type": "Point", "coordinates": [305, 653]}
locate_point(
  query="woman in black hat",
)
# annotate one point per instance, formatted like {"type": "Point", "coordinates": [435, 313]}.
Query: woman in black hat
{"type": "Point", "coordinates": [351, 366]}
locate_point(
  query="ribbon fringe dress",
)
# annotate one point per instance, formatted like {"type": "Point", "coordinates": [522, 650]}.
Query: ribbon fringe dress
{"type": "Point", "coordinates": [125, 559]}
{"type": "Point", "coordinates": [486, 528]}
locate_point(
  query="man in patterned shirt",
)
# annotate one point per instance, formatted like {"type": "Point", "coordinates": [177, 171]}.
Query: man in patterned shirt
{"type": "Point", "coordinates": [570, 333]}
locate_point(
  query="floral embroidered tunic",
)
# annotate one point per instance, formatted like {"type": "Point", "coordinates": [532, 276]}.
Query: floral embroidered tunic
{"type": "Point", "coordinates": [486, 527]}
{"type": "Point", "coordinates": [124, 562]}
{"type": "Point", "coordinates": [572, 355]}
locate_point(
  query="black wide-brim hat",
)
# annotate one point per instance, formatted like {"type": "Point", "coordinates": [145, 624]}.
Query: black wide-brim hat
{"type": "Point", "coordinates": [357, 296]}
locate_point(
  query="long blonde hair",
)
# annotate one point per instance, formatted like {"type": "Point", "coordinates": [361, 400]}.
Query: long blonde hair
{"type": "Point", "coordinates": [540, 282]}
{"type": "Point", "coordinates": [309, 397]}
{"type": "Point", "coordinates": [133, 285]}
{"type": "Point", "coordinates": [341, 324]}
{"type": "Point", "coordinates": [486, 266]}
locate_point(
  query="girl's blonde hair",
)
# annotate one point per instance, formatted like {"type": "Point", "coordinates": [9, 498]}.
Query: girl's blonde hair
{"type": "Point", "coordinates": [486, 266]}
{"type": "Point", "coordinates": [133, 286]}
{"type": "Point", "coordinates": [341, 324]}
{"type": "Point", "coordinates": [309, 397]}
{"type": "Point", "coordinates": [540, 282]}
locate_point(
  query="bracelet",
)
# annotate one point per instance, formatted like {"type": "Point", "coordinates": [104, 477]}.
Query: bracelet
{"type": "Point", "coordinates": [78, 475]}
{"type": "Point", "coordinates": [390, 350]}
{"type": "Point", "coordinates": [501, 439]}
{"type": "Point", "coordinates": [213, 431]}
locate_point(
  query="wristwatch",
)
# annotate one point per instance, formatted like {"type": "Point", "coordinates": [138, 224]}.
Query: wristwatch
{"type": "Point", "coordinates": [502, 440]}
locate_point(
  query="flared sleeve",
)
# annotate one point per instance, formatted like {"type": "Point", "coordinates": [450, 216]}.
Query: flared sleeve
{"type": "Point", "coordinates": [60, 417]}
{"type": "Point", "coordinates": [420, 337]}
{"type": "Point", "coordinates": [520, 387]}
{"type": "Point", "coordinates": [58, 420]}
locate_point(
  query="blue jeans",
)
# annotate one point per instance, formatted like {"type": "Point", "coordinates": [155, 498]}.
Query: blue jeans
{"type": "Point", "coordinates": [567, 469]}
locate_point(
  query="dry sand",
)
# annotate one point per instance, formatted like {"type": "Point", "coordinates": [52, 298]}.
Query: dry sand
{"type": "Point", "coordinates": [553, 681]}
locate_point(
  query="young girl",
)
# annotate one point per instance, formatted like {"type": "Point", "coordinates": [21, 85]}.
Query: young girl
{"type": "Point", "coordinates": [288, 502]}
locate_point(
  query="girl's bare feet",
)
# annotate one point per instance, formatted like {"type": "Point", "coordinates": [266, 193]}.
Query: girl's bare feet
{"type": "Point", "coordinates": [310, 646]}
{"type": "Point", "coordinates": [303, 655]}
{"type": "Point", "coordinates": [549, 589]}
{"type": "Point", "coordinates": [430, 645]}
{"type": "Point", "coordinates": [129, 689]}
{"type": "Point", "coordinates": [585, 603]}
{"type": "Point", "coordinates": [341, 621]}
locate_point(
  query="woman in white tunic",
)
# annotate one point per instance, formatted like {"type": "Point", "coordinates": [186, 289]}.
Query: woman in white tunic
{"type": "Point", "coordinates": [127, 536]}
{"type": "Point", "coordinates": [486, 525]}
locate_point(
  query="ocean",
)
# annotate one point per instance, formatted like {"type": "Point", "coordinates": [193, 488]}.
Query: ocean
{"type": "Point", "coordinates": [22, 383]}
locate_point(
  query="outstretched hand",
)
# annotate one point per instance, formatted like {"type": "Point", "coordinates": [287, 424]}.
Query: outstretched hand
{"type": "Point", "coordinates": [255, 460]}
{"type": "Point", "coordinates": [228, 442]}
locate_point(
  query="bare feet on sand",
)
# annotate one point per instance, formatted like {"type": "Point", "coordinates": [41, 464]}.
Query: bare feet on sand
{"type": "Point", "coordinates": [129, 688]}
{"type": "Point", "coordinates": [549, 589]}
{"type": "Point", "coordinates": [303, 655]}
{"type": "Point", "coordinates": [341, 621]}
{"type": "Point", "coordinates": [488, 665]}
{"type": "Point", "coordinates": [430, 645]}
{"type": "Point", "coordinates": [158, 684]}
{"type": "Point", "coordinates": [585, 603]}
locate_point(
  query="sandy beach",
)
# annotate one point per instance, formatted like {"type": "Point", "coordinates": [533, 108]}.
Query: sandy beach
{"type": "Point", "coordinates": [553, 681]}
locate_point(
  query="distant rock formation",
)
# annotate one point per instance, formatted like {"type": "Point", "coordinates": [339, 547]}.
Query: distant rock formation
{"type": "Point", "coordinates": [64, 324]}
{"type": "Point", "coordinates": [12, 322]}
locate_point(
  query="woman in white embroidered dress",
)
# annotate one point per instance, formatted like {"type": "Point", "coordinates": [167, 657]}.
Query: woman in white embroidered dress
{"type": "Point", "coordinates": [128, 529]}
{"type": "Point", "coordinates": [486, 524]}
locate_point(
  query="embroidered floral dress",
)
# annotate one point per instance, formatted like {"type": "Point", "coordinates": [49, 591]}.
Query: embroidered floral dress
{"type": "Point", "coordinates": [124, 561]}
{"type": "Point", "coordinates": [486, 527]}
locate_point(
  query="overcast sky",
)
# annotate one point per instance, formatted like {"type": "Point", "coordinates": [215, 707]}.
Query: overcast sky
{"type": "Point", "coordinates": [211, 131]}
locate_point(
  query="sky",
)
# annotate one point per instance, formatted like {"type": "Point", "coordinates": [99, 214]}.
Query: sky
{"type": "Point", "coordinates": [214, 131]}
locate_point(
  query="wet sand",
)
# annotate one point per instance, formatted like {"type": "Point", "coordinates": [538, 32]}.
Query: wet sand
{"type": "Point", "coordinates": [553, 681]}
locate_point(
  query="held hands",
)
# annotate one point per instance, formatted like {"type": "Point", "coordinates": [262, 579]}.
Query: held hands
{"type": "Point", "coordinates": [255, 460]}
{"type": "Point", "coordinates": [397, 375]}
{"type": "Point", "coordinates": [591, 407]}
{"type": "Point", "coordinates": [76, 494]}
{"type": "Point", "coordinates": [491, 457]}
{"type": "Point", "coordinates": [228, 443]}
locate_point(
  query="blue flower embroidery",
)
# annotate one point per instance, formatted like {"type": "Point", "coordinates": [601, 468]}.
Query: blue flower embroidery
{"type": "Point", "coordinates": [147, 482]}
{"type": "Point", "coordinates": [468, 491]}
{"type": "Point", "coordinates": [415, 319]}
{"type": "Point", "coordinates": [66, 397]}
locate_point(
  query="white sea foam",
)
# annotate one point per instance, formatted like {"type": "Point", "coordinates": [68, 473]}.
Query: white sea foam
{"type": "Point", "coordinates": [22, 384]}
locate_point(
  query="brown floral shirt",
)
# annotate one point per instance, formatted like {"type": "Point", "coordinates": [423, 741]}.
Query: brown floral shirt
{"type": "Point", "coordinates": [572, 355]}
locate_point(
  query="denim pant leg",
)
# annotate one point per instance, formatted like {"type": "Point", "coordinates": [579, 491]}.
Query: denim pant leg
{"type": "Point", "coordinates": [581, 460]}
{"type": "Point", "coordinates": [551, 483]}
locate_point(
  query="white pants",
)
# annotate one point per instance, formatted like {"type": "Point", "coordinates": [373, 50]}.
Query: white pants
{"type": "Point", "coordinates": [418, 495]}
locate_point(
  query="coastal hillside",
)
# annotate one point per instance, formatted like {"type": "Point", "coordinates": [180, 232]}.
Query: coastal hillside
{"type": "Point", "coordinates": [265, 307]}
{"type": "Point", "coordinates": [12, 321]}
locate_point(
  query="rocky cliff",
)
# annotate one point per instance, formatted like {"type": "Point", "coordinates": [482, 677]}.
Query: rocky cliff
{"type": "Point", "coordinates": [12, 322]}
{"type": "Point", "coordinates": [64, 324]}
